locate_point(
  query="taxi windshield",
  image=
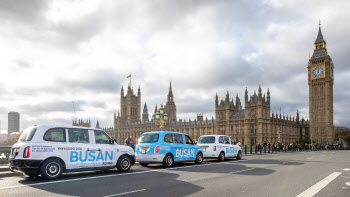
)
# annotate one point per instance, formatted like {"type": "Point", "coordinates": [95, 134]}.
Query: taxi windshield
{"type": "Point", "coordinates": [27, 134]}
{"type": "Point", "coordinates": [206, 140]}
{"type": "Point", "coordinates": [149, 138]}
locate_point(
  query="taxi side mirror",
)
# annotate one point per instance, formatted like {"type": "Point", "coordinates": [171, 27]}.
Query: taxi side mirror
{"type": "Point", "coordinates": [111, 141]}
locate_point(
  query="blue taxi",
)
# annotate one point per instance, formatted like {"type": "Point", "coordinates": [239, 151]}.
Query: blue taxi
{"type": "Point", "coordinates": [167, 148]}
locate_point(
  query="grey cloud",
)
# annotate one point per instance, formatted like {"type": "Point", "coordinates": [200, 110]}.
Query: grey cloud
{"type": "Point", "coordinates": [22, 10]}
{"type": "Point", "coordinates": [54, 106]}
{"type": "Point", "coordinates": [99, 81]}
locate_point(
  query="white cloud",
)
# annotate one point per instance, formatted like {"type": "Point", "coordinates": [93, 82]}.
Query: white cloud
{"type": "Point", "coordinates": [63, 51]}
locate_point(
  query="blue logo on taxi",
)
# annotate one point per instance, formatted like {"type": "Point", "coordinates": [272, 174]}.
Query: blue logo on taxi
{"type": "Point", "coordinates": [80, 156]}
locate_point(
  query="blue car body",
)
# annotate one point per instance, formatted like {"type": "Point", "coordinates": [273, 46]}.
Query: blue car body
{"type": "Point", "coordinates": [154, 146]}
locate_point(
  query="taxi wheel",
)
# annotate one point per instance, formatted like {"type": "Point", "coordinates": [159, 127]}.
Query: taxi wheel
{"type": "Point", "coordinates": [143, 164]}
{"type": "Point", "coordinates": [222, 156]}
{"type": "Point", "coordinates": [199, 158]}
{"type": "Point", "coordinates": [124, 163]}
{"type": "Point", "coordinates": [239, 156]}
{"type": "Point", "coordinates": [51, 169]}
{"type": "Point", "coordinates": [168, 161]}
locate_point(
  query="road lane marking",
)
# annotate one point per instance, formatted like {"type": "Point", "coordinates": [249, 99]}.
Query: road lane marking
{"type": "Point", "coordinates": [320, 185]}
{"type": "Point", "coordinates": [347, 183]}
{"type": "Point", "coordinates": [242, 171]}
{"type": "Point", "coordinates": [346, 169]}
{"type": "Point", "coordinates": [113, 175]}
{"type": "Point", "coordinates": [310, 157]}
{"type": "Point", "coordinates": [140, 190]}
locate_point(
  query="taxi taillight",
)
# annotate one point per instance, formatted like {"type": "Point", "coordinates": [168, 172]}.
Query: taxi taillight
{"type": "Point", "coordinates": [156, 150]}
{"type": "Point", "coordinates": [26, 153]}
{"type": "Point", "coordinates": [214, 148]}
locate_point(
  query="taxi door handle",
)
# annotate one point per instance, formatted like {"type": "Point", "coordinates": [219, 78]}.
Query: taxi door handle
{"type": "Point", "coordinates": [93, 149]}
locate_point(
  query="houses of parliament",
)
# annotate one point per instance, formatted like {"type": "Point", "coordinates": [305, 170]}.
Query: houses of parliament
{"type": "Point", "coordinates": [252, 124]}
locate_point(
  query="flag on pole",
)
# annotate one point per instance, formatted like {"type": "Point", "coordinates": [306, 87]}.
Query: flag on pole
{"type": "Point", "coordinates": [129, 76]}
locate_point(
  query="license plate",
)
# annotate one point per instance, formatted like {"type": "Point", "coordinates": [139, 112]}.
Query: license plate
{"type": "Point", "coordinates": [143, 151]}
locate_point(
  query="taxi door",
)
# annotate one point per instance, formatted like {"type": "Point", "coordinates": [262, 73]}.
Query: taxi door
{"type": "Point", "coordinates": [191, 147]}
{"type": "Point", "coordinates": [105, 150]}
{"type": "Point", "coordinates": [227, 147]}
{"type": "Point", "coordinates": [179, 147]}
{"type": "Point", "coordinates": [234, 147]}
{"type": "Point", "coordinates": [78, 149]}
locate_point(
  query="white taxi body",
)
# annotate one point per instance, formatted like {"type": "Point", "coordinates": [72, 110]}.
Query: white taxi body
{"type": "Point", "coordinates": [219, 146]}
{"type": "Point", "coordinates": [51, 150]}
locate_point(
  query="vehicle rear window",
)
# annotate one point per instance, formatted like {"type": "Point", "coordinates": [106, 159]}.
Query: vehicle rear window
{"type": "Point", "coordinates": [149, 138]}
{"type": "Point", "coordinates": [168, 138]}
{"type": "Point", "coordinates": [221, 140]}
{"type": "Point", "coordinates": [178, 139]}
{"type": "Point", "coordinates": [78, 136]}
{"type": "Point", "coordinates": [55, 135]}
{"type": "Point", "coordinates": [27, 134]}
{"type": "Point", "coordinates": [206, 140]}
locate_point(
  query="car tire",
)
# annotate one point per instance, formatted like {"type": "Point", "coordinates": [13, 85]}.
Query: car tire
{"type": "Point", "coordinates": [239, 155]}
{"type": "Point", "coordinates": [144, 164]}
{"type": "Point", "coordinates": [222, 156]}
{"type": "Point", "coordinates": [199, 158]}
{"type": "Point", "coordinates": [168, 161]}
{"type": "Point", "coordinates": [51, 169]}
{"type": "Point", "coordinates": [124, 163]}
{"type": "Point", "coordinates": [32, 174]}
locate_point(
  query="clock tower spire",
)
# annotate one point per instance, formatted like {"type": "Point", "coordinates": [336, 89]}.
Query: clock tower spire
{"type": "Point", "coordinates": [321, 81]}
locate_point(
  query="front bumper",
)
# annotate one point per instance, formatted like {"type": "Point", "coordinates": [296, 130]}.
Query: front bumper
{"type": "Point", "coordinates": [150, 158]}
{"type": "Point", "coordinates": [24, 165]}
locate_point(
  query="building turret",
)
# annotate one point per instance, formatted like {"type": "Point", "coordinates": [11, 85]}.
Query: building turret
{"type": "Point", "coordinates": [145, 113]}
{"type": "Point", "coordinates": [227, 99]}
{"type": "Point", "coordinates": [216, 100]}
{"type": "Point", "coordinates": [170, 107]}
{"type": "Point", "coordinates": [97, 125]}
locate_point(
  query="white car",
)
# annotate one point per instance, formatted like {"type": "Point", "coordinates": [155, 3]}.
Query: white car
{"type": "Point", "coordinates": [52, 150]}
{"type": "Point", "coordinates": [219, 146]}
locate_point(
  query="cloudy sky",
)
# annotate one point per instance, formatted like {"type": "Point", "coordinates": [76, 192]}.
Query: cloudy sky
{"type": "Point", "coordinates": [54, 53]}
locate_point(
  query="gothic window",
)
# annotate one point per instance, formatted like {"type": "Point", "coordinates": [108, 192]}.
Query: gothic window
{"type": "Point", "coordinates": [231, 129]}
{"type": "Point", "coordinates": [242, 129]}
{"type": "Point", "coordinates": [237, 129]}
{"type": "Point", "coordinates": [253, 112]}
{"type": "Point", "coordinates": [222, 116]}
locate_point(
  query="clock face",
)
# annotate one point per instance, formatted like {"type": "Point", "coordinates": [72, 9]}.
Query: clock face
{"type": "Point", "coordinates": [318, 71]}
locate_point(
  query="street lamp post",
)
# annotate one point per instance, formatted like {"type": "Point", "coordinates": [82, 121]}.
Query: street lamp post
{"type": "Point", "coordinates": [161, 118]}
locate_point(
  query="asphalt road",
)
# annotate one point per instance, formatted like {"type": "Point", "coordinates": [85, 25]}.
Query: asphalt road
{"type": "Point", "coordinates": [321, 173]}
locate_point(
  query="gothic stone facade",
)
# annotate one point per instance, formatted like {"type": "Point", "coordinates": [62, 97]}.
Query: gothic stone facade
{"type": "Point", "coordinates": [252, 125]}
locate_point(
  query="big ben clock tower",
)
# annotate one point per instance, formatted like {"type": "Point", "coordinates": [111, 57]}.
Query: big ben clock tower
{"type": "Point", "coordinates": [321, 78]}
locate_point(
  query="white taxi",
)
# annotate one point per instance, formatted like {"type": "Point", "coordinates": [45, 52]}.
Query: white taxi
{"type": "Point", "coordinates": [52, 150]}
{"type": "Point", "coordinates": [219, 146]}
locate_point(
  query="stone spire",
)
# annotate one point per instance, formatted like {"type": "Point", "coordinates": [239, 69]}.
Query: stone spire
{"type": "Point", "coordinates": [319, 38]}
{"type": "Point", "coordinates": [170, 94]}
{"type": "Point", "coordinates": [145, 113]}
{"type": "Point", "coordinates": [97, 125]}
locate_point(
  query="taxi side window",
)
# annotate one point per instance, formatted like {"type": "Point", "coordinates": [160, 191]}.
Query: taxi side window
{"type": "Point", "coordinates": [178, 139]}
{"type": "Point", "coordinates": [55, 135]}
{"type": "Point", "coordinates": [101, 137]}
{"type": "Point", "coordinates": [78, 136]}
{"type": "Point", "coordinates": [168, 138]}
{"type": "Point", "coordinates": [232, 141]}
{"type": "Point", "coordinates": [227, 140]}
{"type": "Point", "coordinates": [221, 139]}
{"type": "Point", "coordinates": [188, 140]}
